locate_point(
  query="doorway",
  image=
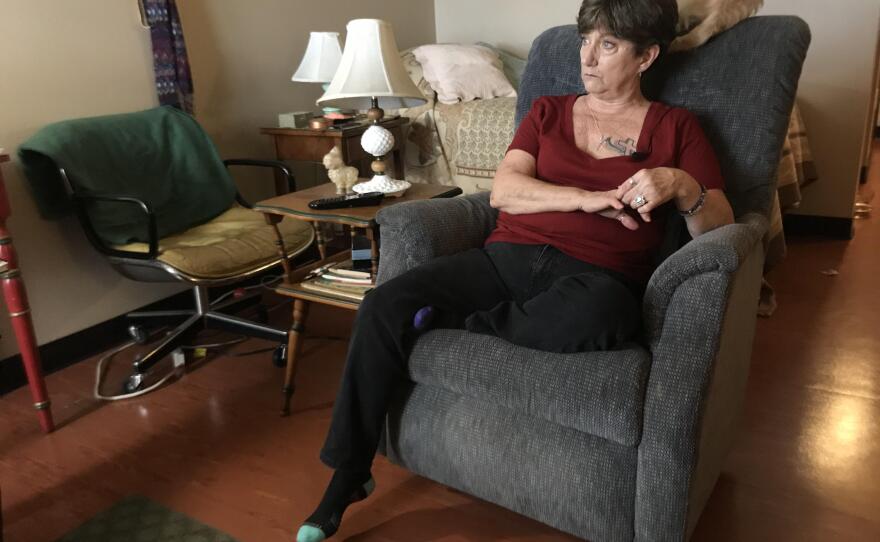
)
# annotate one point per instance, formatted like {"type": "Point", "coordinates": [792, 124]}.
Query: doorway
{"type": "Point", "coordinates": [870, 170]}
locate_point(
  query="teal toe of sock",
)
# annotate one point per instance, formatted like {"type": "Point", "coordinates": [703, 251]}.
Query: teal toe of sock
{"type": "Point", "coordinates": [308, 533]}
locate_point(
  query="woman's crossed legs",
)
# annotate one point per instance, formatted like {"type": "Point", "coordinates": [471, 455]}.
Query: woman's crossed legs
{"type": "Point", "coordinates": [530, 295]}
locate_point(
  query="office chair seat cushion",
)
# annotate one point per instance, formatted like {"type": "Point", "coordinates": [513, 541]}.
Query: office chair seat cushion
{"type": "Point", "coordinates": [236, 242]}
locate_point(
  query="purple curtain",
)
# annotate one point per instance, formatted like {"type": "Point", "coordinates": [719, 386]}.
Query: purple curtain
{"type": "Point", "coordinates": [174, 83]}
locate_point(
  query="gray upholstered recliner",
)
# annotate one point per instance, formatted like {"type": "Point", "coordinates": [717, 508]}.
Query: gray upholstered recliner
{"type": "Point", "coordinates": [626, 444]}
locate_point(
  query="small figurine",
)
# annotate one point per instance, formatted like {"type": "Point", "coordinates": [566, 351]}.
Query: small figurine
{"type": "Point", "coordinates": [344, 177]}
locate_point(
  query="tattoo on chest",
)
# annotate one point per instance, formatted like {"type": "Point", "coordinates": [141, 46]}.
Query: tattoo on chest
{"type": "Point", "coordinates": [623, 147]}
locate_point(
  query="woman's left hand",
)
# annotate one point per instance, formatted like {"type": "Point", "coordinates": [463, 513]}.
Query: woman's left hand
{"type": "Point", "coordinates": [651, 188]}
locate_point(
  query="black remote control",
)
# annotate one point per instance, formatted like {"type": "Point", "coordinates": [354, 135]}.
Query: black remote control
{"type": "Point", "coordinates": [351, 200]}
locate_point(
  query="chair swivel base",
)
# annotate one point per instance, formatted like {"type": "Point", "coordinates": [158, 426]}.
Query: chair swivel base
{"type": "Point", "coordinates": [190, 322]}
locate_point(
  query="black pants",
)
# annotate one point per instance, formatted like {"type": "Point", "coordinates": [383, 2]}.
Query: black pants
{"type": "Point", "coordinates": [529, 295]}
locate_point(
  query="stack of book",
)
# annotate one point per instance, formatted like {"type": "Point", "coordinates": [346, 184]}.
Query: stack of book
{"type": "Point", "coordinates": [339, 279]}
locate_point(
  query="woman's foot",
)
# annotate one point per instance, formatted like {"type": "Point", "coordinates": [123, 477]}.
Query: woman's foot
{"type": "Point", "coordinates": [346, 487]}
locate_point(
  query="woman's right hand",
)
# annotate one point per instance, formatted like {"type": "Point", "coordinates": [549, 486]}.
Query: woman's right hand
{"type": "Point", "coordinates": [606, 204]}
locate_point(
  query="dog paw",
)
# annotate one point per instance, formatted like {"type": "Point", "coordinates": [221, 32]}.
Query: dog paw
{"type": "Point", "coordinates": [686, 43]}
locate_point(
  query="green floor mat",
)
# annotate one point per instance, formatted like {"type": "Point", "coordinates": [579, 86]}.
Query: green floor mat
{"type": "Point", "coordinates": [138, 519]}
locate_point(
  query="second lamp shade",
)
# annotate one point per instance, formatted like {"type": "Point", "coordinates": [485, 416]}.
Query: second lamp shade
{"type": "Point", "coordinates": [371, 67]}
{"type": "Point", "coordinates": [321, 59]}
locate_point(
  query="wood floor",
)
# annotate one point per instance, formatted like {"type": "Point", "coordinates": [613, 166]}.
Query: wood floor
{"type": "Point", "coordinates": [805, 466]}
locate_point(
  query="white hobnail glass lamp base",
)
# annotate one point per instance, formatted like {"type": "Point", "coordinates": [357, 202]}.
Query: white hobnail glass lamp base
{"type": "Point", "coordinates": [384, 184]}
{"type": "Point", "coordinates": [377, 140]}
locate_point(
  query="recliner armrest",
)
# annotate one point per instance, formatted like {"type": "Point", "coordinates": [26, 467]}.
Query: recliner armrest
{"type": "Point", "coordinates": [722, 249]}
{"type": "Point", "coordinates": [415, 232]}
{"type": "Point", "coordinates": [700, 311]}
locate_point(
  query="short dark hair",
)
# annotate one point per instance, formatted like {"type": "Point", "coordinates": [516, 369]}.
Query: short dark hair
{"type": "Point", "coordinates": [642, 22]}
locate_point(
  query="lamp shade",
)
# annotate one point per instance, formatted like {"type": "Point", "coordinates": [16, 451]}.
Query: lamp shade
{"type": "Point", "coordinates": [371, 67]}
{"type": "Point", "coordinates": [321, 59]}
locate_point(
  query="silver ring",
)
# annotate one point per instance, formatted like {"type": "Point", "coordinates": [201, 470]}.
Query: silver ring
{"type": "Point", "coordinates": [632, 182]}
{"type": "Point", "coordinates": [639, 200]}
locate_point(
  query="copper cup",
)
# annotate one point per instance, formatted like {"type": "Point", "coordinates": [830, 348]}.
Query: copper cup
{"type": "Point", "coordinates": [319, 123]}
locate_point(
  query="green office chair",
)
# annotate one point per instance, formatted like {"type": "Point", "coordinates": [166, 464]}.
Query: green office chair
{"type": "Point", "coordinates": [154, 197]}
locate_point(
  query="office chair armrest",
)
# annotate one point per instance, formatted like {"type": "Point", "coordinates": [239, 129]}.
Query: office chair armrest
{"type": "Point", "coordinates": [280, 167]}
{"type": "Point", "coordinates": [80, 202]}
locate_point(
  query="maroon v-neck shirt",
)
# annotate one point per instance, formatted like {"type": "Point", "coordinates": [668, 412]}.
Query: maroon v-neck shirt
{"type": "Point", "coordinates": [670, 137]}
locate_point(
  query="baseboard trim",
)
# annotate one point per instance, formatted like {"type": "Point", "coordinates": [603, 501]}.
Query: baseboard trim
{"type": "Point", "coordinates": [838, 228]}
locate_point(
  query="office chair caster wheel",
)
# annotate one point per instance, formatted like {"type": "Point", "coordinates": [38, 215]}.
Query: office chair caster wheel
{"type": "Point", "coordinates": [138, 334]}
{"type": "Point", "coordinates": [134, 383]}
{"type": "Point", "coordinates": [279, 356]}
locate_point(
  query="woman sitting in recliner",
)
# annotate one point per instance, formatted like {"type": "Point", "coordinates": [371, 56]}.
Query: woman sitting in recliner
{"type": "Point", "coordinates": [583, 192]}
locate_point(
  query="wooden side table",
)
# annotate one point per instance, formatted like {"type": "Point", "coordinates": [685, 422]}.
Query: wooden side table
{"type": "Point", "coordinates": [295, 205]}
{"type": "Point", "coordinates": [306, 145]}
{"type": "Point", "coordinates": [20, 312]}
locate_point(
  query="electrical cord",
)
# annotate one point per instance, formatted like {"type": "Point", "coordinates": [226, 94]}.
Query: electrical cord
{"type": "Point", "coordinates": [265, 282]}
{"type": "Point", "coordinates": [250, 352]}
{"type": "Point", "coordinates": [214, 345]}
{"type": "Point", "coordinates": [99, 377]}
{"type": "Point", "coordinates": [176, 371]}
{"type": "Point", "coordinates": [100, 370]}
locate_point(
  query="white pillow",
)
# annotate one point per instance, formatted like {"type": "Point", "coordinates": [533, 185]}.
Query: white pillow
{"type": "Point", "coordinates": [461, 73]}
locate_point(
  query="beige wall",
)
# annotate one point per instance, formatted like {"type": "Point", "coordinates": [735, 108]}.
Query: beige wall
{"type": "Point", "coordinates": [834, 95]}
{"type": "Point", "coordinates": [509, 24]}
{"type": "Point", "coordinates": [243, 54]}
{"type": "Point", "coordinates": [90, 57]}
{"type": "Point", "coordinates": [834, 91]}
{"type": "Point", "coordinates": [63, 60]}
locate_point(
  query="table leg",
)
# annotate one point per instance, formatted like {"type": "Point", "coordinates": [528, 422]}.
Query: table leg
{"type": "Point", "coordinates": [15, 295]}
{"type": "Point", "coordinates": [273, 221]}
{"type": "Point", "coordinates": [294, 346]}
{"type": "Point", "coordinates": [20, 313]}
{"type": "Point", "coordinates": [319, 237]}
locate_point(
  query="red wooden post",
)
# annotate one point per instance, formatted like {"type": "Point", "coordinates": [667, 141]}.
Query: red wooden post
{"type": "Point", "coordinates": [20, 313]}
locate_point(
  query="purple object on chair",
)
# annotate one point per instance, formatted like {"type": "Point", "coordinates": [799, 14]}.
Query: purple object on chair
{"type": "Point", "coordinates": [423, 318]}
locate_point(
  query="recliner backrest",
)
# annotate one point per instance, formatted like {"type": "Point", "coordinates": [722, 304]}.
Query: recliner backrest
{"type": "Point", "coordinates": [161, 156]}
{"type": "Point", "coordinates": [741, 85]}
